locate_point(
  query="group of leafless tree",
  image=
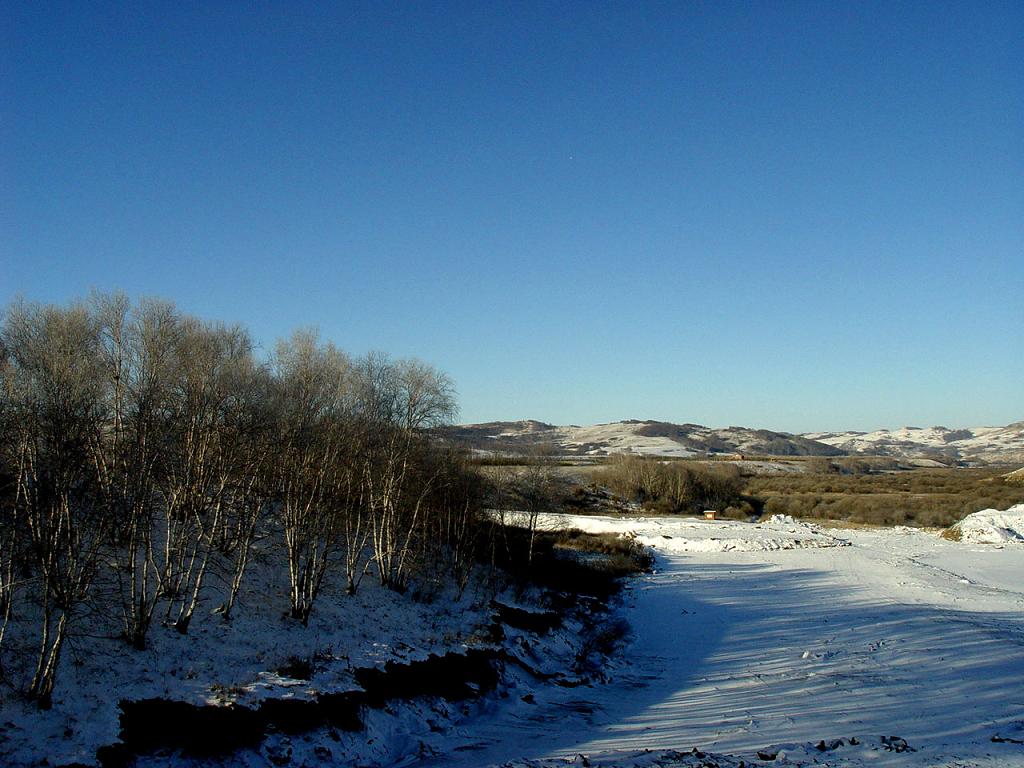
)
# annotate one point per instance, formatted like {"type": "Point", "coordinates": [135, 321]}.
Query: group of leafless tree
{"type": "Point", "coordinates": [671, 486]}
{"type": "Point", "coordinates": [147, 449]}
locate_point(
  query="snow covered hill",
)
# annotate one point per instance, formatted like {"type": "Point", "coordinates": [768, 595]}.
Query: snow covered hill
{"type": "Point", "coordinates": [654, 438]}
{"type": "Point", "coordinates": [978, 443]}
{"type": "Point", "coordinates": [659, 438]}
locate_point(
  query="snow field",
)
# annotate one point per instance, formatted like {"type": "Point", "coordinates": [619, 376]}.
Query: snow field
{"type": "Point", "coordinates": [781, 638]}
{"type": "Point", "coordinates": [739, 651]}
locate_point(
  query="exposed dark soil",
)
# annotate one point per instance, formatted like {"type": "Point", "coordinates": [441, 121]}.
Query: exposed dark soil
{"type": "Point", "coordinates": [195, 730]}
{"type": "Point", "coordinates": [540, 622]}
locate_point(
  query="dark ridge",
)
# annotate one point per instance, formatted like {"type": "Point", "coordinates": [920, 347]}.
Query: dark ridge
{"type": "Point", "coordinates": [454, 677]}
{"type": "Point", "coordinates": [540, 622]}
{"type": "Point", "coordinates": [197, 730]}
{"type": "Point", "coordinates": [343, 710]}
{"type": "Point", "coordinates": [206, 730]}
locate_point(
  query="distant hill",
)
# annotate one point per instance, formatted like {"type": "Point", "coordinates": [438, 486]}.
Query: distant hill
{"type": "Point", "coordinates": [660, 438]}
{"type": "Point", "coordinates": [656, 438]}
{"type": "Point", "coordinates": [990, 444]}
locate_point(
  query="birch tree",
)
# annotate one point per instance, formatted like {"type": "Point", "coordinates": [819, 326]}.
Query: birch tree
{"type": "Point", "coordinates": [56, 414]}
{"type": "Point", "coordinates": [9, 523]}
{"type": "Point", "coordinates": [537, 488]}
{"type": "Point", "coordinates": [251, 426]}
{"type": "Point", "coordinates": [402, 398]}
{"type": "Point", "coordinates": [140, 364]}
{"type": "Point", "coordinates": [312, 405]}
{"type": "Point", "coordinates": [207, 461]}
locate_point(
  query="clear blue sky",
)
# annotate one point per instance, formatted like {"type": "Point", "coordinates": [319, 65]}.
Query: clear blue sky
{"type": "Point", "coordinates": [790, 215]}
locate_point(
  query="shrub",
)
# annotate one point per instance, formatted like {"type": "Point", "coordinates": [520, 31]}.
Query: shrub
{"type": "Point", "coordinates": [952, 534]}
{"type": "Point", "coordinates": [672, 487]}
{"type": "Point", "coordinates": [744, 510]}
{"type": "Point", "coordinates": [925, 497]}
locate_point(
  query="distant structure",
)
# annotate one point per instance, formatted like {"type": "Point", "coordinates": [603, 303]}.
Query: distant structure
{"type": "Point", "coordinates": [710, 514]}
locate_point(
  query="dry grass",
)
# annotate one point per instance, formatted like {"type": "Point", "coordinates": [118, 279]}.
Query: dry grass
{"type": "Point", "coordinates": [952, 534]}
{"type": "Point", "coordinates": [619, 555]}
{"type": "Point", "coordinates": [572, 561]}
{"type": "Point", "coordinates": [923, 497]}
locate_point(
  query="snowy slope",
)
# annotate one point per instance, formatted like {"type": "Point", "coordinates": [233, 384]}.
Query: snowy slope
{"type": "Point", "coordinates": [657, 438]}
{"type": "Point", "coordinates": [846, 648]}
{"type": "Point", "coordinates": [983, 443]}
{"type": "Point", "coordinates": [220, 662]}
{"type": "Point", "coordinates": [654, 438]}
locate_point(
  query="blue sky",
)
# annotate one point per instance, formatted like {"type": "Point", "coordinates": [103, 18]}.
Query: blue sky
{"type": "Point", "coordinates": [788, 215]}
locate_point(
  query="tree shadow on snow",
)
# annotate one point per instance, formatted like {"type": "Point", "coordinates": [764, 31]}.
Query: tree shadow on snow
{"type": "Point", "coordinates": [738, 656]}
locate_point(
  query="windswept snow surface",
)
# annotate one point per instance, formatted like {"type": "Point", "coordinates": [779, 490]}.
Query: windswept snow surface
{"type": "Point", "coordinates": [753, 642]}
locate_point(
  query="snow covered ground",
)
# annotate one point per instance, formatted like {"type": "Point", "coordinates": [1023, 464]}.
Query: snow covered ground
{"type": "Point", "coordinates": [238, 662]}
{"type": "Point", "coordinates": [759, 641]}
{"type": "Point", "coordinates": [837, 647]}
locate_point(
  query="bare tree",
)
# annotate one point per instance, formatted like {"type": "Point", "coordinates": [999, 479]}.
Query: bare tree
{"type": "Point", "coordinates": [141, 363]}
{"type": "Point", "coordinates": [537, 487]}
{"type": "Point", "coordinates": [251, 426]}
{"type": "Point", "coordinates": [9, 524]}
{"type": "Point", "coordinates": [353, 495]}
{"type": "Point", "coordinates": [152, 448]}
{"type": "Point", "coordinates": [312, 404]}
{"type": "Point", "coordinates": [402, 399]}
{"type": "Point", "coordinates": [454, 522]}
{"type": "Point", "coordinates": [57, 411]}
{"type": "Point", "coordinates": [207, 458]}
{"type": "Point", "coordinates": [499, 497]}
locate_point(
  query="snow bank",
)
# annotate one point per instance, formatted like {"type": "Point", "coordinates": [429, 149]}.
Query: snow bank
{"type": "Point", "coordinates": [778, 532]}
{"type": "Point", "coordinates": [679, 535]}
{"type": "Point", "coordinates": [219, 662]}
{"type": "Point", "coordinates": [714, 544]}
{"type": "Point", "coordinates": [991, 526]}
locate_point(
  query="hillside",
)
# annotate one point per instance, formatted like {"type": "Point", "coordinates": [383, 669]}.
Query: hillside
{"type": "Point", "coordinates": [659, 438]}
{"type": "Point", "coordinates": [654, 438]}
{"type": "Point", "coordinates": [990, 444]}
